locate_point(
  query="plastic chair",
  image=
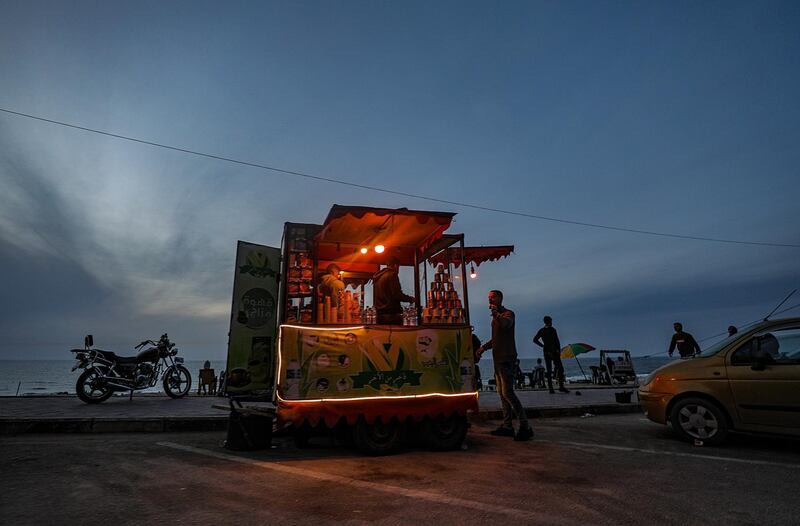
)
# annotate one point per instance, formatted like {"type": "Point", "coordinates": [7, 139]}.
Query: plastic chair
{"type": "Point", "coordinates": [207, 383]}
{"type": "Point", "coordinates": [537, 378]}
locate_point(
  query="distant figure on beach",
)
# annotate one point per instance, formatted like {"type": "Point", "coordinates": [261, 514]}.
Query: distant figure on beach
{"type": "Point", "coordinates": [221, 384]}
{"type": "Point", "coordinates": [476, 344]}
{"type": "Point", "coordinates": [520, 376]}
{"type": "Point", "coordinates": [547, 339]}
{"type": "Point", "coordinates": [732, 330]}
{"type": "Point", "coordinates": [685, 342]}
{"type": "Point", "coordinates": [504, 354]}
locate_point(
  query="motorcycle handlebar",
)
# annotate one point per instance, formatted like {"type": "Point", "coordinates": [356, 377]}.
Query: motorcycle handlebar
{"type": "Point", "coordinates": [163, 340]}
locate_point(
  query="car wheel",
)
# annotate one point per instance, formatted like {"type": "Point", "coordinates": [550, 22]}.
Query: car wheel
{"type": "Point", "coordinates": [698, 419]}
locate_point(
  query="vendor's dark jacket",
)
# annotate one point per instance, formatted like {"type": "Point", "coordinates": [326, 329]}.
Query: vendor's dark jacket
{"type": "Point", "coordinates": [387, 293]}
{"type": "Point", "coordinates": [503, 343]}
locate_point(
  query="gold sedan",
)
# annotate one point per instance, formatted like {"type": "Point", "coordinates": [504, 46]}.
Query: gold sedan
{"type": "Point", "coordinates": [748, 382]}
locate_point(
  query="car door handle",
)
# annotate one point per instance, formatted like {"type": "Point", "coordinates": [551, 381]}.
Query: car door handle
{"type": "Point", "coordinates": [717, 373]}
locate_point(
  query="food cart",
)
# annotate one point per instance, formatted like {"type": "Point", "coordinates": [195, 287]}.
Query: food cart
{"type": "Point", "coordinates": [616, 366]}
{"type": "Point", "coordinates": [305, 332]}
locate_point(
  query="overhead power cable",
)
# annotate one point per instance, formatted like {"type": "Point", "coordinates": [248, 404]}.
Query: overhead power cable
{"type": "Point", "coordinates": [405, 194]}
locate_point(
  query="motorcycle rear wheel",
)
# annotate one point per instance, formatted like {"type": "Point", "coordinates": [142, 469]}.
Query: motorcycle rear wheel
{"type": "Point", "coordinates": [91, 388]}
{"type": "Point", "coordinates": [177, 381]}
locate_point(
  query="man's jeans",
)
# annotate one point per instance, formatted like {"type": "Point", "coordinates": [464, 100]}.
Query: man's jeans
{"type": "Point", "coordinates": [554, 358]}
{"type": "Point", "coordinates": [504, 373]}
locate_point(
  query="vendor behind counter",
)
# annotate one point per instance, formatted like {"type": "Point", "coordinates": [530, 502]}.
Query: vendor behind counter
{"type": "Point", "coordinates": [388, 294]}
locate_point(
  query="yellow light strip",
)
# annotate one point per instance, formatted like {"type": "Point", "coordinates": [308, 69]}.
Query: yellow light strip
{"type": "Point", "coordinates": [280, 363]}
{"type": "Point", "coordinates": [316, 328]}
{"type": "Point", "coordinates": [400, 397]}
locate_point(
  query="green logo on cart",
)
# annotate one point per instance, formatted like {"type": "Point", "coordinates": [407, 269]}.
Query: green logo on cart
{"type": "Point", "coordinates": [392, 379]}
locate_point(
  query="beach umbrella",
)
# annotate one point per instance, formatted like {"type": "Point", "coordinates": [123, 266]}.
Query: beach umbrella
{"type": "Point", "coordinates": [573, 350]}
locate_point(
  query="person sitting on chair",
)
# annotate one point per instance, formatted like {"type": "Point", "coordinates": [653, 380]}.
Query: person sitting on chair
{"type": "Point", "coordinates": [207, 381]}
{"type": "Point", "coordinates": [537, 374]}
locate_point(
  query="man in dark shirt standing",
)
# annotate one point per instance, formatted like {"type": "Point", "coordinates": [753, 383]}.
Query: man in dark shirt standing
{"type": "Point", "coordinates": [687, 346]}
{"type": "Point", "coordinates": [547, 339]}
{"type": "Point", "coordinates": [387, 294]}
{"type": "Point", "coordinates": [504, 355]}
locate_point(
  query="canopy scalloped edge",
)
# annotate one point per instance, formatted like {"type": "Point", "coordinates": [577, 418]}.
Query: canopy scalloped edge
{"type": "Point", "coordinates": [332, 411]}
{"type": "Point", "coordinates": [473, 255]}
{"type": "Point", "coordinates": [337, 211]}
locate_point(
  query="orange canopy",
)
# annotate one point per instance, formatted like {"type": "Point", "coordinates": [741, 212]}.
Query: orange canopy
{"type": "Point", "coordinates": [401, 231]}
{"type": "Point", "coordinates": [476, 255]}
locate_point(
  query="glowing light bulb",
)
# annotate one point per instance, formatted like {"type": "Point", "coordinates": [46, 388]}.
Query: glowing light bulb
{"type": "Point", "coordinates": [379, 249]}
{"type": "Point", "coordinates": [472, 272]}
{"type": "Point", "coordinates": [364, 250]}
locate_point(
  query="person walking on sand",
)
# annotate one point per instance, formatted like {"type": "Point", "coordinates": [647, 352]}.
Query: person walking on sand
{"type": "Point", "coordinates": [504, 355]}
{"type": "Point", "coordinates": [685, 342]}
{"type": "Point", "coordinates": [547, 339]}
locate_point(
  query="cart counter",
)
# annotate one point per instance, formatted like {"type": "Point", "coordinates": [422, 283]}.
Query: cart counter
{"type": "Point", "coordinates": [374, 370]}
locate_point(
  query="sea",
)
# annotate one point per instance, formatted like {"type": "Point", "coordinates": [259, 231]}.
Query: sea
{"type": "Point", "coordinates": [44, 377]}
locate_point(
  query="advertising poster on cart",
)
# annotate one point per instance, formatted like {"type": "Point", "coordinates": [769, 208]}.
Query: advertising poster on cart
{"type": "Point", "coordinates": [372, 361]}
{"type": "Point", "coordinates": [251, 342]}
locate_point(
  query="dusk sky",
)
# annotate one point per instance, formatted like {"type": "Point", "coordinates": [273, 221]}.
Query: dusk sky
{"type": "Point", "coordinates": [675, 117]}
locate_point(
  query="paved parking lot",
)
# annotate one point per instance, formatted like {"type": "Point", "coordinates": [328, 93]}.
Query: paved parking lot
{"type": "Point", "coordinates": [616, 469]}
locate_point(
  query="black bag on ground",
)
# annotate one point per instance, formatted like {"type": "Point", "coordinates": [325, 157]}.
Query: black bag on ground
{"type": "Point", "coordinates": [247, 431]}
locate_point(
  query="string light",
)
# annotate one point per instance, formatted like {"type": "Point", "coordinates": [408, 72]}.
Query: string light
{"type": "Point", "coordinates": [472, 272]}
{"type": "Point", "coordinates": [364, 250]}
{"type": "Point", "coordinates": [379, 249]}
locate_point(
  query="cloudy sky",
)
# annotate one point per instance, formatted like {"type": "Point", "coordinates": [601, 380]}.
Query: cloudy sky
{"type": "Point", "coordinates": [679, 117]}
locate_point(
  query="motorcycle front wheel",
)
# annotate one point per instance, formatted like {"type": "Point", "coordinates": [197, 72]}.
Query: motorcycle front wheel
{"type": "Point", "coordinates": [177, 381]}
{"type": "Point", "coordinates": [91, 387]}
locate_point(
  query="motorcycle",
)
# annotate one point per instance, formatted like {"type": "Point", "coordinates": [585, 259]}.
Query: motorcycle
{"type": "Point", "coordinates": [106, 373]}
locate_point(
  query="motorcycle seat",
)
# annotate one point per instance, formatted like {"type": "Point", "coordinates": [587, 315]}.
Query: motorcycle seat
{"type": "Point", "coordinates": [112, 357]}
{"type": "Point", "coordinates": [126, 360]}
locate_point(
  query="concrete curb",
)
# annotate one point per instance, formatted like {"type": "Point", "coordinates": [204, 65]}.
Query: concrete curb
{"type": "Point", "coordinates": [556, 412]}
{"type": "Point", "coordinates": [18, 426]}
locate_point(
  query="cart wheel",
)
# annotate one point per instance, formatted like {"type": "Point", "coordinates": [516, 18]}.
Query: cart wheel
{"type": "Point", "coordinates": [301, 436]}
{"type": "Point", "coordinates": [378, 438]}
{"type": "Point", "coordinates": [446, 433]}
